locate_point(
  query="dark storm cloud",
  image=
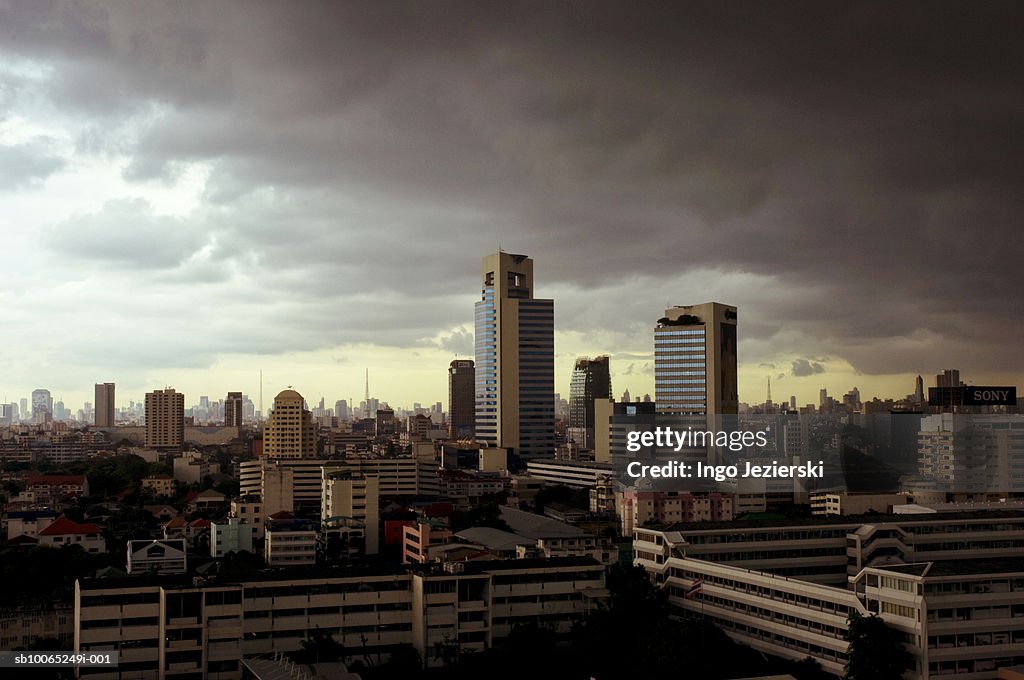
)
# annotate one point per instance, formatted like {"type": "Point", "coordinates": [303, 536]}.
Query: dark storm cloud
{"type": "Point", "coordinates": [861, 159]}
{"type": "Point", "coordinates": [803, 367]}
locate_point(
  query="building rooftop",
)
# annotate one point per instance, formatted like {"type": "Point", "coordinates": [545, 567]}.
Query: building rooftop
{"type": "Point", "coordinates": [64, 526]}
{"type": "Point", "coordinates": [55, 480]}
{"type": "Point", "coordinates": [838, 520]}
{"type": "Point", "coordinates": [493, 539]}
{"type": "Point", "coordinates": [348, 572]}
{"type": "Point", "coordinates": [1007, 565]}
{"type": "Point", "coordinates": [537, 526]}
{"type": "Point", "coordinates": [571, 463]}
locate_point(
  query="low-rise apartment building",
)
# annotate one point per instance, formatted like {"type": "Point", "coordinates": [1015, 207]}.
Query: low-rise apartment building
{"type": "Point", "coordinates": [175, 628]}
{"type": "Point", "coordinates": [833, 549]}
{"type": "Point", "coordinates": [962, 617]}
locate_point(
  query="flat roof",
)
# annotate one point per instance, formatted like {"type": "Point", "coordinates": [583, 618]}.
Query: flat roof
{"type": "Point", "coordinates": [536, 526]}
{"type": "Point", "coordinates": [298, 574]}
{"type": "Point", "coordinates": [966, 567]}
{"type": "Point", "coordinates": [836, 520]}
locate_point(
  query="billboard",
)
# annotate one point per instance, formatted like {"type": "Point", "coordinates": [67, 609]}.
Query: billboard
{"type": "Point", "coordinates": [973, 395]}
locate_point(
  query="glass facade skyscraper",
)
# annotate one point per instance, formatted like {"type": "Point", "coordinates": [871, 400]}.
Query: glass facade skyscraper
{"type": "Point", "coordinates": [515, 360]}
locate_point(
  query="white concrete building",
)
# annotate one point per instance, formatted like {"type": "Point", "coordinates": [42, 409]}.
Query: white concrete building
{"type": "Point", "coordinates": [355, 496]}
{"type": "Point", "coordinates": [230, 535]}
{"type": "Point", "coordinates": [960, 617]}
{"type": "Point", "coordinates": [164, 556]}
{"type": "Point", "coordinates": [164, 630]}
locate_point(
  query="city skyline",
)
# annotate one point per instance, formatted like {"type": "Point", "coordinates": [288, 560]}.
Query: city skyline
{"type": "Point", "coordinates": [285, 190]}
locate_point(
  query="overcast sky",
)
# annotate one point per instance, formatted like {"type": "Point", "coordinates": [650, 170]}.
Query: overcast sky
{"type": "Point", "coordinates": [192, 192]}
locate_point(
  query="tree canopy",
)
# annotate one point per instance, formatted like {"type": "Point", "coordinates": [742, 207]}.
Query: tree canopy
{"type": "Point", "coordinates": [877, 651]}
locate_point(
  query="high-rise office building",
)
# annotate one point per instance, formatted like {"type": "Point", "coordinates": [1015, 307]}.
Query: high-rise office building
{"type": "Point", "coordinates": [461, 400]}
{"type": "Point", "coordinates": [919, 390]}
{"type": "Point", "coordinates": [950, 377]}
{"type": "Point", "coordinates": [341, 409]}
{"type": "Point", "coordinates": [290, 430]}
{"type": "Point", "coordinates": [591, 379]}
{"type": "Point", "coordinates": [42, 406]}
{"type": "Point", "coordinates": [695, 360]}
{"type": "Point", "coordinates": [104, 405]}
{"type": "Point", "coordinates": [234, 410]}
{"type": "Point", "coordinates": [165, 419]}
{"type": "Point", "coordinates": [515, 359]}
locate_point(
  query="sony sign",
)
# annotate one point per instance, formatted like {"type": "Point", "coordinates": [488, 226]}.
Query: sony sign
{"type": "Point", "coordinates": [973, 395]}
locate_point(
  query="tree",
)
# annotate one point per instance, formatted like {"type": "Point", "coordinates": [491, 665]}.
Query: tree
{"type": "Point", "coordinates": [319, 647]}
{"type": "Point", "coordinates": [876, 650]}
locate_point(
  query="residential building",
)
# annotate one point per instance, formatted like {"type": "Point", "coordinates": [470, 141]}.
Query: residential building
{"type": "Point", "coordinates": [405, 476]}
{"type": "Point", "coordinates": [26, 624]}
{"type": "Point", "coordinates": [354, 496]}
{"type": "Point", "coordinates": [104, 408]}
{"type": "Point", "coordinates": [26, 522]}
{"type": "Point", "coordinates": [514, 369]}
{"type": "Point", "coordinates": [290, 431]}
{"type": "Point", "coordinates": [420, 537]}
{"type": "Point", "coordinates": [957, 617]}
{"type": "Point", "coordinates": [234, 410]}
{"type": "Point", "coordinates": [585, 474]}
{"type": "Point", "coordinates": [165, 419]}
{"type": "Point", "coordinates": [972, 453]}
{"type": "Point", "coordinates": [64, 531]}
{"type": "Point", "coordinates": [637, 508]}
{"type": "Point", "coordinates": [162, 486]}
{"type": "Point", "coordinates": [232, 534]}
{"type": "Point", "coordinates": [57, 487]}
{"type": "Point", "coordinates": [191, 468]}
{"type": "Point", "coordinates": [419, 426]}
{"type": "Point", "coordinates": [831, 549]}
{"type": "Point", "coordinates": [843, 503]}
{"type": "Point", "coordinates": [177, 627]}
{"type": "Point", "coordinates": [165, 556]}
{"type": "Point", "coordinates": [289, 542]}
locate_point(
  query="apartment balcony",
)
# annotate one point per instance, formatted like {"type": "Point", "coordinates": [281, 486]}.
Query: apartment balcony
{"type": "Point", "coordinates": [183, 621]}
{"type": "Point", "coordinates": [183, 644]}
{"type": "Point", "coordinates": [184, 667]}
{"type": "Point", "coordinates": [472, 605]}
{"type": "Point", "coordinates": [110, 611]}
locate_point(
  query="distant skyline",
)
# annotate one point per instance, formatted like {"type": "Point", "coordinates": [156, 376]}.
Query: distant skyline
{"type": "Point", "coordinates": [193, 192]}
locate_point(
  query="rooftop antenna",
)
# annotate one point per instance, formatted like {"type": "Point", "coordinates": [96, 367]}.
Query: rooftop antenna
{"type": "Point", "coordinates": [769, 390]}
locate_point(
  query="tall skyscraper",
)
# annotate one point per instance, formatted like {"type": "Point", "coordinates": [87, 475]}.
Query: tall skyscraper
{"type": "Point", "coordinates": [341, 409]}
{"type": "Point", "coordinates": [290, 430]}
{"type": "Point", "coordinates": [695, 367]}
{"type": "Point", "coordinates": [515, 359]}
{"type": "Point", "coordinates": [461, 400]}
{"type": "Point", "coordinates": [919, 390]}
{"type": "Point", "coordinates": [104, 405]}
{"type": "Point", "coordinates": [234, 410]}
{"type": "Point", "coordinates": [42, 406]}
{"type": "Point", "coordinates": [165, 419]}
{"type": "Point", "coordinates": [950, 377]}
{"type": "Point", "coordinates": [591, 379]}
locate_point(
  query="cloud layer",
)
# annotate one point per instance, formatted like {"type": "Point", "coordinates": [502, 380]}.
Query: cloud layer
{"type": "Point", "coordinates": [331, 174]}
